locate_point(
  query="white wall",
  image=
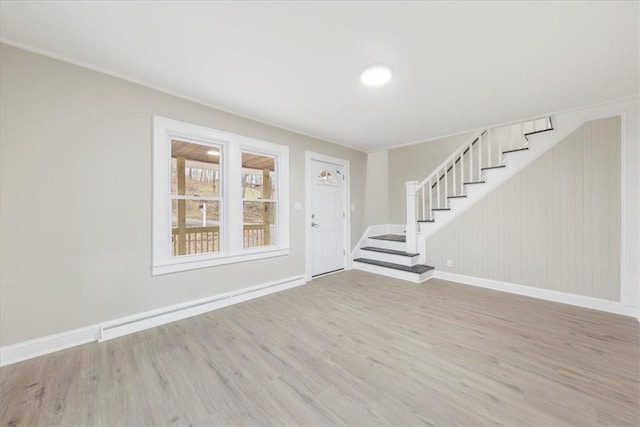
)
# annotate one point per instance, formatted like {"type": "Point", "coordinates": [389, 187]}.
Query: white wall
{"type": "Point", "coordinates": [631, 206]}
{"type": "Point", "coordinates": [76, 198]}
{"type": "Point", "coordinates": [376, 210]}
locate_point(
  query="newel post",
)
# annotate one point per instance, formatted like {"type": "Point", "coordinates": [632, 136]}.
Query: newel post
{"type": "Point", "coordinates": [412, 220]}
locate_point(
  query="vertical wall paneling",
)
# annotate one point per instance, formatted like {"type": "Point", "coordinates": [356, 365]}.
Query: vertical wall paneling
{"type": "Point", "coordinates": [554, 225]}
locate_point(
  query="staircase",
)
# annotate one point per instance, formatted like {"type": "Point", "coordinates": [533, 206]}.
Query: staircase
{"type": "Point", "coordinates": [385, 254]}
{"type": "Point", "coordinates": [481, 164]}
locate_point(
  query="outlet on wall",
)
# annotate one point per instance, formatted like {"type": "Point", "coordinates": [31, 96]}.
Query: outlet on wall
{"type": "Point", "coordinates": [449, 263]}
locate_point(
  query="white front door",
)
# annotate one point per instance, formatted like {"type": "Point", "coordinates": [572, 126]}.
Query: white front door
{"type": "Point", "coordinates": [328, 217]}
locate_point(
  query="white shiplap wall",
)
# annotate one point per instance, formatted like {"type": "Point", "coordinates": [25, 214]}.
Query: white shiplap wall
{"type": "Point", "coordinates": [554, 225]}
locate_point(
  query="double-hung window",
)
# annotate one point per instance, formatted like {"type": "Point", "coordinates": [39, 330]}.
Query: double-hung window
{"type": "Point", "coordinates": [218, 197]}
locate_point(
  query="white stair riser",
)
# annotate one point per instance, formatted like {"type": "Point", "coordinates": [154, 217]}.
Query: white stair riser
{"type": "Point", "coordinates": [458, 203]}
{"type": "Point", "coordinates": [387, 244]}
{"type": "Point", "coordinates": [425, 227]}
{"type": "Point", "coordinates": [472, 189]}
{"type": "Point", "coordinates": [395, 259]}
{"type": "Point", "coordinates": [440, 215]}
{"type": "Point", "coordinates": [396, 274]}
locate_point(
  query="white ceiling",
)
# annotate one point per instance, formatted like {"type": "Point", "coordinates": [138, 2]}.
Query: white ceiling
{"type": "Point", "coordinates": [458, 65]}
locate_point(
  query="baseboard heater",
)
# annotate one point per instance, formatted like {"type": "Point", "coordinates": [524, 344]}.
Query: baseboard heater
{"type": "Point", "coordinates": [169, 314]}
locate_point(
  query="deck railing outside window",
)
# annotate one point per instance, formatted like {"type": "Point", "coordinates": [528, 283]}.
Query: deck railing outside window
{"type": "Point", "coordinates": [207, 239]}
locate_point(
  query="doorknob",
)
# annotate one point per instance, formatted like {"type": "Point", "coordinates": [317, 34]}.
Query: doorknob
{"type": "Point", "coordinates": [313, 224]}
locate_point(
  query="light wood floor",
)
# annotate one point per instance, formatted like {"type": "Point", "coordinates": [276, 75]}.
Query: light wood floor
{"type": "Point", "coordinates": [351, 348]}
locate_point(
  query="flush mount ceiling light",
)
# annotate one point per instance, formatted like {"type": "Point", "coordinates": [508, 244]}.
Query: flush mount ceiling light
{"type": "Point", "coordinates": [376, 75]}
{"type": "Point", "coordinates": [213, 153]}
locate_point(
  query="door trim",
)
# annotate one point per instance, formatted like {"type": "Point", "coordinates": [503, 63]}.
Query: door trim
{"type": "Point", "coordinates": [309, 156]}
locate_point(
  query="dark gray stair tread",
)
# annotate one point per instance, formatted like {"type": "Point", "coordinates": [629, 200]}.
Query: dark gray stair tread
{"type": "Point", "coordinates": [474, 182]}
{"type": "Point", "coordinates": [493, 167]}
{"type": "Point", "coordinates": [541, 130]}
{"type": "Point", "coordinates": [457, 197]}
{"type": "Point", "coordinates": [441, 209]}
{"type": "Point", "coordinates": [513, 151]}
{"type": "Point", "coordinates": [391, 237]}
{"type": "Point", "coordinates": [418, 269]}
{"type": "Point", "coordinates": [388, 251]}
{"type": "Point", "coordinates": [426, 220]}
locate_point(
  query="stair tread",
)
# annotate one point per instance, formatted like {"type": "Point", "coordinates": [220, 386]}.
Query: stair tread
{"type": "Point", "coordinates": [515, 149]}
{"type": "Point", "coordinates": [474, 182]}
{"type": "Point", "coordinates": [390, 237]}
{"type": "Point", "coordinates": [539, 131]}
{"type": "Point", "coordinates": [493, 167]}
{"type": "Point", "coordinates": [461, 196]}
{"type": "Point", "coordinates": [441, 209]}
{"type": "Point", "coordinates": [418, 268]}
{"type": "Point", "coordinates": [388, 251]}
{"type": "Point", "coordinates": [426, 220]}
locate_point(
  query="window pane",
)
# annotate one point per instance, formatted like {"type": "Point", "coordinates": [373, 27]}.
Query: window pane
{"type": "Point", "coordinates": [195, 169]}
{"type": "Point", "coordinates": [200, 231]}
{"type": "Point", "coordinates": [258, 176]}
{"type": "Point", "coordinates": [327, 178]}
{"type": "Point", "coordinates": [259, 220]}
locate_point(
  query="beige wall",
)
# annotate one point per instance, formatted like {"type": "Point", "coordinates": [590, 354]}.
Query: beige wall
{"type": "Point", "coordinates": [76, 198]}
{"type": "Point", "coordinates": [414, 163]}
{"type": "Point", "coordinates": [376, 208]}
{"type": "Point", "coordinates": [553, 225]}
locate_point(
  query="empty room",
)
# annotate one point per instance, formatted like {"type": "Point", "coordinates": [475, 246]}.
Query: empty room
{"type": "Point", "coordinates": [297, 213]}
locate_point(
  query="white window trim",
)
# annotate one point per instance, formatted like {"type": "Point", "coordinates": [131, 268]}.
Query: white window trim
{"type": "Point", "coordinates": [231, 224]}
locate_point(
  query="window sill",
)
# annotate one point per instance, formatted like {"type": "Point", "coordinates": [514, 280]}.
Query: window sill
{"type": "Point", "coordinates": [190, 264]}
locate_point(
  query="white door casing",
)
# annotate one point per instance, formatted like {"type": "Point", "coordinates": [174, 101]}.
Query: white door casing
{"type": "Point", "coordinates": [327, 214]}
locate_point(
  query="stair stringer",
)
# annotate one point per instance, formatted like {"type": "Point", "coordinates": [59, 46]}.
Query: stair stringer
{"type": "Point", "coordinates": [563, 126]}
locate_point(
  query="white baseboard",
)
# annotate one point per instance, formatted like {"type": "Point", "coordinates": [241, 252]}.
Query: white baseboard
{"type": "Point", "coordinates": [127, 325]}
{"type": "Point", "coordinates": [150, 319]}
{"type": "Point", "coordinates": [545, 294]}
{"type": "Point", "coordinates": [391, 272]}
{"type": "Point", "coordinates": [15, 353]}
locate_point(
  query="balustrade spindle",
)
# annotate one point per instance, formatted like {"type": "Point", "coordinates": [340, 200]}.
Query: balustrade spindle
{"type": "Point", "coordinates": [479, 156]}
{"type": "Point", "coordinates": [424, 207]}
{"type": "Point", "coordinates": [430, 200]}
{"type": "Point", "coordinates": [438, 187]}
{"type": "Point", "coordinates": [462, 167]}
{"type": "Point", "coordinates": [471, 162]}
{"type": "Point", "coordinates": [489, 140]}
{"type": "Point", "coordinates": [446, 184]}
{"type": "Point", "coordinates": [455, 186]}
{"type": "Point", "coordinates": [500, 136]}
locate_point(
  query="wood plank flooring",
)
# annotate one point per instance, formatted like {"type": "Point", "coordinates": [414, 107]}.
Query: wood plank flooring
{"type": "Point", "coordinates": [351, 348]}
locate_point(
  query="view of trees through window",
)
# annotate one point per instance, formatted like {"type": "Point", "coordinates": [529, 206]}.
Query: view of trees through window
{"type": "Point", "coordinates": [197, 198]}
{"type": "Point", "coordinates": [259, 199]}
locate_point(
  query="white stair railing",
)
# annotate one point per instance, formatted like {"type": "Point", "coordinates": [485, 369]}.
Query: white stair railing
{"type": "Point", "coordinates": [465, 165]}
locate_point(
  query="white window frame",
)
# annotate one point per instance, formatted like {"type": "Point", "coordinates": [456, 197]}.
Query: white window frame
{"type": "Point", "coordinates": [231, 207]}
